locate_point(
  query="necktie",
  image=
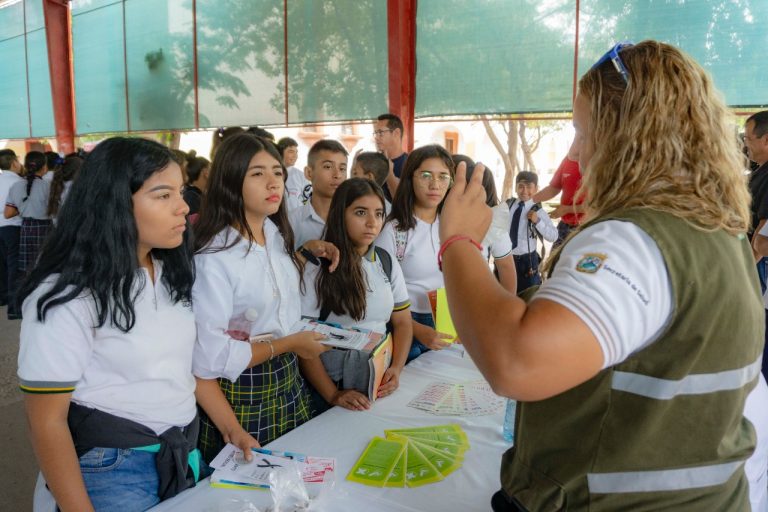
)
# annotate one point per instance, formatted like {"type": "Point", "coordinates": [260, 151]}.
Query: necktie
{"type": "Point", "coordinates": [516, 223]}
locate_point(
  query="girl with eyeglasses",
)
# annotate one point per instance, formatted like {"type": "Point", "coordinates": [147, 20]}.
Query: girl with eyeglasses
{"type": "Point", "coordinates": [412, 236]}
{"type": "Point", "coordinates": [366, 291]}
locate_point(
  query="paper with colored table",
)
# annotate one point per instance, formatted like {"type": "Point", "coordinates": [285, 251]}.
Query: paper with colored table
{"type": "Point", "coordinates": [231, 470]}
{"type": "Point", "coordinates": [473, 398]}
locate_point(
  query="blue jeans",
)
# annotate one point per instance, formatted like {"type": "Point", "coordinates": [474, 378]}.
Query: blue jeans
{"type": "Point", "coordinates": [417, 347]}
{"type": "Point", "coordinates": [120, 480]}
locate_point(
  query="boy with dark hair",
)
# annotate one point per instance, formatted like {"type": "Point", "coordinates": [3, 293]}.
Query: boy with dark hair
{"type": "Point", "coordinates": [529, 220]}
{"type": "Point", "coordinates": [326, 169]}
{"type": "Point", "coordinates": [374, 167]}
{"type": "Point", "coordinates": [9, 236]}
{"type": "Point", "coordinates": [297, 188]}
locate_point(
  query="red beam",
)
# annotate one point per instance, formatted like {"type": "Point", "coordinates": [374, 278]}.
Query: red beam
{"type": "Point", "coordinates": [401, 42]}
{"type": "Point", "coordinates": [58, 35]}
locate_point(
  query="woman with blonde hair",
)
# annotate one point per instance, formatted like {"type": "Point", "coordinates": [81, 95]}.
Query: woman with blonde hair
{"type": "Point", "coordinates": [632, 391]}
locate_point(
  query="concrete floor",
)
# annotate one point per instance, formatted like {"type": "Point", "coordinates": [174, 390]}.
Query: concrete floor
{"type": "Point", "coordinates": [18, 467]}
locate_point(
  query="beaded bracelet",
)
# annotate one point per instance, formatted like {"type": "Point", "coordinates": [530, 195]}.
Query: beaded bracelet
{"type": "Point", "coordinates": [447, 243]}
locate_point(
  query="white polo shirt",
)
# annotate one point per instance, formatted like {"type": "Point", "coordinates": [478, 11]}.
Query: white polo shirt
{"type": "Point", "coordinates": [36, 204]}
{"type": "Point", "coordinates": [244, 288]}
{"type": "Point", "coordinates": [419, 263]}
{"type": "Point", "coordinates": [295, 185]}
{"type": "Point", "coordinates": [144, 375]}
{"type": "Point", "coordinates": [306, 224]}
{"type": "Point", "coordinates": [382, 297]}
{"type": "Point", "coordinates": [526, 244]}
{"type": "Point", "coordinates": [7, 180]}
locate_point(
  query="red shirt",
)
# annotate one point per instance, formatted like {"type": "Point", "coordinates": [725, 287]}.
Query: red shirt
{"type": "Point", "coordinates": [568, 179]}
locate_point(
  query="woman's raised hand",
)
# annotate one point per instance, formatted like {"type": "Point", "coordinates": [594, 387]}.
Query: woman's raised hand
{"type": "Point", "coordinates": [465, 211]}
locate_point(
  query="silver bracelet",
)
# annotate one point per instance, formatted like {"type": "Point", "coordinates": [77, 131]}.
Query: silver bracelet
{"type": "Point", "coordinates": [271, 350]}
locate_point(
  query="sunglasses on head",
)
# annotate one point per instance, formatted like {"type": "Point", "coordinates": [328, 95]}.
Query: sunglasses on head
{"type": "Point", "coordinates": [613, 56]}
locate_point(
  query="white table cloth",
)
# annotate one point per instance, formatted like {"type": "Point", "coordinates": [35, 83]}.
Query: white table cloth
{"type": "Point", "coordinates": [344, 434]}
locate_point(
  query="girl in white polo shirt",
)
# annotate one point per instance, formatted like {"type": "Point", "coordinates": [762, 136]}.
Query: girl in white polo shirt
{"type": "Point", "coordinates": [248, 284]}
{"type": "Point", "coordinates": [412, 235]}
{"type": "Point", "coordinates": [108, 335]}
{"type": "Point", "coordinates": [365, 291]}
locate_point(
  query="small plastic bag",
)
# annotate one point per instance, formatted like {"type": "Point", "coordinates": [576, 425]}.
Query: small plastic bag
{"type": "Point", "coordinates": [291, 494]}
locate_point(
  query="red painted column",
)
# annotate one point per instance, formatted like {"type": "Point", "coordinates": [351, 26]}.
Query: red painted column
{"type": "Point", "coordinates": [401, 39]}
{"type": "Point", "coordinates": [58, 34]}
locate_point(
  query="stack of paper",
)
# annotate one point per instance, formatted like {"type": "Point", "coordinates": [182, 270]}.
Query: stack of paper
{"type": "Point", "coordinates": [232, 471]}
{"type": "Point", "coordinates": [473, 398]}
{"type": "Point", "coordinates": [411, 457]}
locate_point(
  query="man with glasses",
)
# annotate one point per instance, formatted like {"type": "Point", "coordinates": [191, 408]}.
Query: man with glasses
{"type": "Point", "coordinates": [756, 142]}
{"type": "Point", "coordinates": [388, 136]}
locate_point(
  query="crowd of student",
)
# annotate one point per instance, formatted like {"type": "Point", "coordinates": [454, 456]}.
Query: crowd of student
{"type": "Point", "coordinates": [159, 312]}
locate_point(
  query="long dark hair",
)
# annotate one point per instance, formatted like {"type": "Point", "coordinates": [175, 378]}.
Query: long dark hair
{"type": "Point", "coordinates": [343, 291]}
{"type": "Point", "coordinates": [34, 162]}
{"type": "Point", "coordinates": [402, 204]}
{"type": "Point", "coordinates": [223, 204]}
{"type": "Point", "coordinates": [67, 172]}
{"type": "Point", "coordinates": [93, 247]}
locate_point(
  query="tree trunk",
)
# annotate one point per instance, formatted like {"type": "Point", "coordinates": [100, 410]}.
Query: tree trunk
{"type": "Point", "coordinates": [528, 148]}
{"type": "Point", "coordinates": [510, 163]}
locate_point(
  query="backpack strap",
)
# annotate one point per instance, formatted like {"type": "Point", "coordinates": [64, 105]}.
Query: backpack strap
{"type": "Point", "coordinates": [386, 261]}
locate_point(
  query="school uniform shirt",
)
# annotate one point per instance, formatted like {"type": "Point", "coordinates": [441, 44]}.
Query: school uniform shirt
{"type": "Point", "coordinates": [306, 224]}
{"type": "Point", "coordinates": [295, 186]}
{"type": "Point", "coordinates": [382, 298]}
{"type": "Point", "coordinates": [244, 288]}
{"type": "Point", "coordinates": [526, 243]}
{"type": "Point", "coordinates": [7, 180]}
{"type": "Point", "coordinates": [419, 261]}
{"type": "Point", "coordinates": [144, 375]}
{"type": "Point", "coordinates": [603, 277]}
{"type": "Point", "coordinates": [36, 204]}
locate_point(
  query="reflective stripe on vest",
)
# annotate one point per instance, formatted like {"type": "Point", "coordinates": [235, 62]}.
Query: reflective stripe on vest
{"type": "Point", "coordinates": [698, 384]}
{"type": "Point", "coordinates": [664, 480]}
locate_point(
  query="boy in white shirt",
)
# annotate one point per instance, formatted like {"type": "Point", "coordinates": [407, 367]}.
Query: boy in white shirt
{"type": "Point", "coordinates": [9, 236]}
{"type": "Point", "coordinates": [326, 170]}
{"type": "Point", "coordinates": [295, 184]}
{"type": "Point", "coordinates": [528, 220]}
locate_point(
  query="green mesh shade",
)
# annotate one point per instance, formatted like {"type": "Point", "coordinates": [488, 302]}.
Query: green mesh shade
{"type": "Point", "coordinates": [99, 69]}
{"type": "Point", "coordinates": [25, 90]}
{"type": "Point", "coordinates": [134, 60]}
{"type": "Point", "coordinates": [725, 37]}
{"type": "Point", "coordinates": [494, 56]}
{"type": "Point", "coordinates": [337, 60]}
{"type": "Point", "coordinates": [14, 101]}
{"type": "Point", "coordinates": [240, 55]}
{"type": "Point", "coordinates": [159, 60]}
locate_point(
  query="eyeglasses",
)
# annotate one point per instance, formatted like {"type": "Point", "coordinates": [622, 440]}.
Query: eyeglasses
{"type": "Point", "coordinates": [426, 177]}
{"type": "Point", "coordinates": [379, 133]}
{"type": "Point", "coordinates": [613, 56]}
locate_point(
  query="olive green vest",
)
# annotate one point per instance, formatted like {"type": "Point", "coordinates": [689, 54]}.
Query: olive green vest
{"type": "Point", "coordinates": [663, 430]}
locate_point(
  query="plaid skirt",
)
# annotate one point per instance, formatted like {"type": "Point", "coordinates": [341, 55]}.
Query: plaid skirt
{"type": "Point", "coordinates": [32, 235]}
{"type": "Point", "coordinates": [269, 400]}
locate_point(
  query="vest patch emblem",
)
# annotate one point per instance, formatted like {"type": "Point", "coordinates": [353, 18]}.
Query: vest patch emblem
{"type": "Point", "coordinates": [591, 262]}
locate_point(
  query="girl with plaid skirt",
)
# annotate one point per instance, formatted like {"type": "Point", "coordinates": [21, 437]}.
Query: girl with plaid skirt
{"type": "Point", "coordinates": [246, 300]}
{"type": "Point", "coordinates": [29, 199]}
